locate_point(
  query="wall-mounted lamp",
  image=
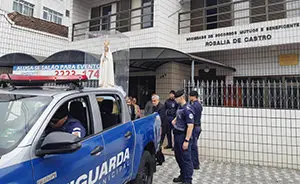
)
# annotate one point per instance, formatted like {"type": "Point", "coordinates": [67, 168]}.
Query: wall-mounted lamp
{"type": "Point", "coordinates": [206, 69]}
{"type": "Point", "coordinates": [162, 76]}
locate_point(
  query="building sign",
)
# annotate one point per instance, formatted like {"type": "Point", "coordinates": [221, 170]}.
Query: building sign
{"type": "Point", "coordinates": [263, 33]}
{"type": "Point", "coordinates": [252, 35]}
{"type": "Point", "coordinates": [90, 70]}
{"type": "Point", "coordinates": [288, 59]}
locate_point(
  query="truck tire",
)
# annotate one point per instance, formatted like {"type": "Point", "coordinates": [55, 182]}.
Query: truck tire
{"type": "Point", "coordinates": [146, 169]}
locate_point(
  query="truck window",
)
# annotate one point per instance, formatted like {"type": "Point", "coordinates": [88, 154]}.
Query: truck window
{"type": "Point", "coordinates": [18, 113]}
{"type": "Point", "coordinates": [73, 114]}
{"type": "Point", "coordinates": [110, 110]}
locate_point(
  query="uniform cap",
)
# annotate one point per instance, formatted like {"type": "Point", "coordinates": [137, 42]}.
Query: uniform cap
{"type": "Point", "coordinates": [61, 112]}
{"type": "Point", "coordinates": [172, 92]}
{"type": "Point", "coordinates": [194, 93]}
{"type": "Point", "coordinates": [179, 93]}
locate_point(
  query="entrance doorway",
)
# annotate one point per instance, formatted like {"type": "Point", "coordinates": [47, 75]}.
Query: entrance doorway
{"type": "Point", "coordinates": [142, 88]}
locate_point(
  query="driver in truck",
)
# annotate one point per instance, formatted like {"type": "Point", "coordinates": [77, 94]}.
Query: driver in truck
{"type": "Point", "coordinates": [62, 121]}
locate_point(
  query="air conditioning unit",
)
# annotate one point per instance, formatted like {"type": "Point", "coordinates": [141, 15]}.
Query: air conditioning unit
{"type": "Point", "coordinates": [184, 3]}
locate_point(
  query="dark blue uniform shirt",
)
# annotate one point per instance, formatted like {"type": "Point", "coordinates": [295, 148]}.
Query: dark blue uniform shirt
{"type": "Point", "coordinates": [72, 126]}
{"type": "Point", "coordinates": [197, 107]}
{"type": "Point", "coordinates": [171, 108]}
{"type": "Point", "coordinates": [184, 116]}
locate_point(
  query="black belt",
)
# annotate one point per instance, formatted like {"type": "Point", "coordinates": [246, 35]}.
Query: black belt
{"type": "Point", "coordinates": [197, 125]}
{"type": "Point", "coordinates": [175, 131]}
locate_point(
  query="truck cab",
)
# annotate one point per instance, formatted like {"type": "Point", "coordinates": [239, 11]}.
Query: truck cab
{"type": "Point", "coordinates": [113, 150]}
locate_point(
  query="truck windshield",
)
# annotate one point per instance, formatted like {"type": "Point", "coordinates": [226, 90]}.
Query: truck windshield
{"type": "Point", "coordinates": [18, 114]}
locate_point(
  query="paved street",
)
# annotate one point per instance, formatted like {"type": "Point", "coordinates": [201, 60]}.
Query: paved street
{"type": "Point", "coordinates": [220, 172]}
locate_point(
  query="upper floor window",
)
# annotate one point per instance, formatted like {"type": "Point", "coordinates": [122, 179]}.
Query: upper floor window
{"type": "Point", "coordinates": [102, 24]}
{"type": "Point", "coordinates": [210, 14]}
{"type": "Point", "coordinates": [147, 14]}
{"type": "Point", "coordinates": [218, 14]}
{"type": "Point", "coordinates": [52, 16]}
{"type": "Point", "coordinates": [124, 17]}
{"type": "Point", "coordinates": [23, 7]}
{"type": "Point", "coordinates": [264, 10]}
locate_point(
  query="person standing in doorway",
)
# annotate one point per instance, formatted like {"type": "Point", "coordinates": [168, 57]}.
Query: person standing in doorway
{"type": "Point", "coordinates": [183, 130]}
{"type": "Point", "coordinates": [148, 107]}
{"type": "Point", "coordinates": [136, 108]}
{"type": "Point", "coordinates": [171, 108]}
{"type": "Point", "coordinates": [197, 128]}
{"type": "Point", "coordinates": [130, 108]}
{"type": "Point", "coordinates": [160, 109]}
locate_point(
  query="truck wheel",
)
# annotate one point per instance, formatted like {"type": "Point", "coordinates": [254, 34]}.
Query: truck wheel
{"type": "Point", "coordinates": [146, 169]}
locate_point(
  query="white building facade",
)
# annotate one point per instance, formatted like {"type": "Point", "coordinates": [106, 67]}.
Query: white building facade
{"type": "Point", "coordinates": [57, 11]}
{"type": "Point", "coordinates": [228, 32]}
{"type": "Point", "coordinates": [224, 41]}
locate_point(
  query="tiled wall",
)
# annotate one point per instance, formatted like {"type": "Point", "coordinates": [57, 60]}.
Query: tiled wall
{"type": "Point", "coordinates": [173, 80]}
{"type": "Point", "coordinates": [167, 24]}
{"type": "Point", "coordinates": [18, 39]}
{"type": "Point", "coordinates": [238, 14]}
{"type": "Point", "coordinates": [264, 137]}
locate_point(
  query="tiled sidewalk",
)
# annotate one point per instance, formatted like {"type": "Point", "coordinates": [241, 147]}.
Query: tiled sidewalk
{"type": "Point", "coordinates": [231, 173]}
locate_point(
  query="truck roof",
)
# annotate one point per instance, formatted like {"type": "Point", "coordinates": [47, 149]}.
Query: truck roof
{"type": "Point", "coordinates": [42, 85]}
{"type": "Point", "coordinates": [54, 91]}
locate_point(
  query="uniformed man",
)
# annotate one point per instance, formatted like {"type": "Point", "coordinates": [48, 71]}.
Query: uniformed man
{"type": "Point", "coordinates": [171, 108]}
{"type": "Point", "coordinates": [197, 127]}
{"type": "Point", "coordinates": [62, 121]}
{"type": "Point", "coordinates": [183, 129]}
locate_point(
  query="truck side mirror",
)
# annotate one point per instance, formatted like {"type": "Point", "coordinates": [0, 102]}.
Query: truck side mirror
{"type": "Point", "coordinates": [59, 143]}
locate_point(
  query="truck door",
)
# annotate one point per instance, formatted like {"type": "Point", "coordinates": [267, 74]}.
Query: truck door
{"type": "Point", "coordinates": [118, 137]}
{"type": "Point", "coordinates": [81, 166]}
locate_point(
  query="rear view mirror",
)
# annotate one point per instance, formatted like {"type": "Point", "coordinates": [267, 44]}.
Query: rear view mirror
{"type": "Point", "coordinates": [59, 143]}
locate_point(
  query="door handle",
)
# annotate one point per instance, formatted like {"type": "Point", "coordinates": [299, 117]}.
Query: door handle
{"type": "Point", "coordinates": [97, 150]}
{"type": "Point", "coordinates": [128, 135]}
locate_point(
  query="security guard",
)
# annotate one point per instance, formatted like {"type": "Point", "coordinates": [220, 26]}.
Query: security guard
{"type": "Point", "coordinates": [197, 127]}
{"type": "Point", "coordinates": [62, 121]}
{"type": "Point", "coordinates": [171, 108]}
{"type": "Point", "coordinates": [183, 129]}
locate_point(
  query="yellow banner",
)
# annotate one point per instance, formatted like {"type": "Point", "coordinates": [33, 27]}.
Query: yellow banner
{"type": "Point", "coordinates": [288, 59]}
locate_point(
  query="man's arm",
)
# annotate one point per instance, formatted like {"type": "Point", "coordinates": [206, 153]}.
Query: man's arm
{"type": "Point", "coordinates": [190, 126]}
{"type": "Point", "coordinates": [188, 135]}
{"type": "Point", "coordinates": [77, 129]}
{"type": "Point", "coordinates": [189, 131]}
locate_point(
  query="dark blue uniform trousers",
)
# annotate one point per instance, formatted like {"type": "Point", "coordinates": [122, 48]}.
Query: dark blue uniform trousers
{"type": "Point", "coordinates": [169, 134]}
{"type": "Point", "coordinates": [183, 157]}
{"type": "Point", "coordinates": [194, 146]}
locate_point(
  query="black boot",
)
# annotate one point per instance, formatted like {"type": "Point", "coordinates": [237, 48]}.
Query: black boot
{"type": "Point", "coordinates": [178, 179]}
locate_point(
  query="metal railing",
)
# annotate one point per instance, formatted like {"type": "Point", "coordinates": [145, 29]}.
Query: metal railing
{"type": "Point", "coordinates": [122, 21]}
{"type": "Point", "coordinates": [226, 14]}
{"type": "Point", "coordinates": [253, 94]}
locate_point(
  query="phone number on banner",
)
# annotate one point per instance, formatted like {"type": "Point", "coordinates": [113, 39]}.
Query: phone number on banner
{"type": "Point", "coordinates": [91, 74]}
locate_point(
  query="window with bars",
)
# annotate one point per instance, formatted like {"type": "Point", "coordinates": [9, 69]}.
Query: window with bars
{"type": "Point", "coordinates": [264, 10]}
{"type": "Point", "coordinates": [52, 16]}
{"type": "Point", "coordinates": [147, 14]}
{"type": "Point", "coordinates": [23, 7]}
{"type": "Point", "coordinates": [210, 14]}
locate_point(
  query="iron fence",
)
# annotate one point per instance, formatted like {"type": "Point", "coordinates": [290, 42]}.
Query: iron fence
{"type": "Point", "coordinates": [249, 94]}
